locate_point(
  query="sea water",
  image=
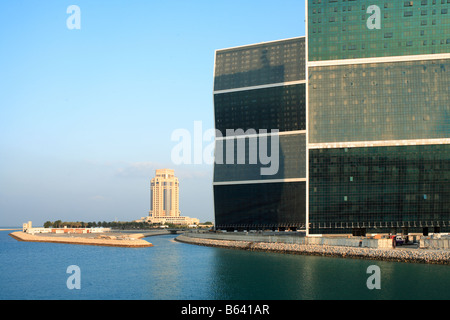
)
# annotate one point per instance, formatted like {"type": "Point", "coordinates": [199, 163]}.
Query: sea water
{"type": "Point", "coordinates": [171, 270]}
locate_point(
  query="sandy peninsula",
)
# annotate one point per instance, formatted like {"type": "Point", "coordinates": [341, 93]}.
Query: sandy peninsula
{"type": "Point", "coordinates": [128, 241]}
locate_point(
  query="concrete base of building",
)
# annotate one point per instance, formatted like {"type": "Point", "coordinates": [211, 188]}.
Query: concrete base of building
{"type": "Point", "coordinates": [299, 246]}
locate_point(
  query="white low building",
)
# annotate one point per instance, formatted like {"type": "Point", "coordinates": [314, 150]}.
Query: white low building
{"type": "Point", "coordinates": [28, 228]}
{"type": "Point", "coordinates": [171, 220]}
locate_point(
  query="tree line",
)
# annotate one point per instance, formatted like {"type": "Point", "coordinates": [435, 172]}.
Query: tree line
{"type": "Point", "coordinates": [104, 224]}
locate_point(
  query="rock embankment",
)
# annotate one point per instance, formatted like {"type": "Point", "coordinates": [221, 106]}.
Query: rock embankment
{"type": "Point", "coordinates": [130, 241]}
{"type": "Point", "coordinates": [398, 255]}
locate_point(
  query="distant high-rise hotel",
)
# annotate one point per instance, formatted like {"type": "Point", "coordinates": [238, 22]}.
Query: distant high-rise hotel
{"type": "Point", "coordinates": [362, 105]}
{"type": "Point", "coordinates": [164, 195]}
{"type": "Point", "coordinates": [164, 200]}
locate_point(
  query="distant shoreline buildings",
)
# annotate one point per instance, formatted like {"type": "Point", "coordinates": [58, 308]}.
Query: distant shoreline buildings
{"type": "Point", "coordinates": [164, 200]}
{"type": "Point", "coordinates": [28, 228]}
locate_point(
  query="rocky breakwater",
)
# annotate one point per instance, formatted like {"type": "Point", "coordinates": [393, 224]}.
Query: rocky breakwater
{"type": "Point", "coordinates": [398, 255]}
{"type": "Point", "coordinates": [128, 241]}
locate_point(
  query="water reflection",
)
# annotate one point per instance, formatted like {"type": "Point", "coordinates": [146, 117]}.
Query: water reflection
{"type": "Point", "coordinates": [178, 271]}
{"type": "Point", "coordinates": [256, 275]}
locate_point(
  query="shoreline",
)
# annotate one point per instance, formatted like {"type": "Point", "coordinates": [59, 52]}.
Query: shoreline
{"type": "Point", "coordinates": [441, 257]}
{"type": "Point", "coordinates": [104, 242]}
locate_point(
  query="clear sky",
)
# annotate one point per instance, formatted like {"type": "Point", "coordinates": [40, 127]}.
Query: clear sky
{"type": "Point", "coordinates": [86, 116]}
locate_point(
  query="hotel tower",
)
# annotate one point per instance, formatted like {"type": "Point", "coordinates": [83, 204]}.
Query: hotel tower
{"type": "Point", "coordinates": [164, 200]}
{"type": "Point", "coordinates": [164, 194]}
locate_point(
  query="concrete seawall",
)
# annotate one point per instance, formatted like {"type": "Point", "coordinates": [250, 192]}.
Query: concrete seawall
{"type": "Point", "coordinates": [435, 243]}
{"type": "Point", "coordinates": [397, 255]}
{"type": "Point", "coordinates": [354, 242]}
{"type": "Point", "coordinates": [132, 241]}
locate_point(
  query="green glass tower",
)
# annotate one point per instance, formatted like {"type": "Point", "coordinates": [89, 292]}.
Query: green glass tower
{"type": "Point", "coordinates": [355, 29]}
{"type": "Point", "coordinates": [378, 116]}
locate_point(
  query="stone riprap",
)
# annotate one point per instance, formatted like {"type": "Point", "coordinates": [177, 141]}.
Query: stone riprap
{"type": "Point", "coordinates": [398, 255]}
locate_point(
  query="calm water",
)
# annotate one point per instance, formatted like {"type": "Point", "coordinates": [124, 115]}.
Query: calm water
{"type": "Point", "coordinates": [175, 271]}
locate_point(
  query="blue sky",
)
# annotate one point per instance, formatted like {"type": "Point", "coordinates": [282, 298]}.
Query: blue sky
{"type": "Point", "coordinates": [86, 116]}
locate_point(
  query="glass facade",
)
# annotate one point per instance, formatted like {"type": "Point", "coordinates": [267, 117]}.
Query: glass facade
{"type": "Point", "coordinates": [348, 29]}
{"type": "Point", "coordinates": [281, 108]}
{"type": "Point", "coordinates": [261, 64]}
{"type": "Point", "coordinates": [289, 163]}
{"type": "Point", "coordinates": [260, 206]}
{"type": "Point", "coordinates": [380, 188]}
{"type": "Point", "coordinates": [401, 183]}
{"type": "Point", "coordinates": [259, 181]}
{"type": "Point", "coordinates": [401, 101]}
{"type": "Point", "coordinates": [381, 101]}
